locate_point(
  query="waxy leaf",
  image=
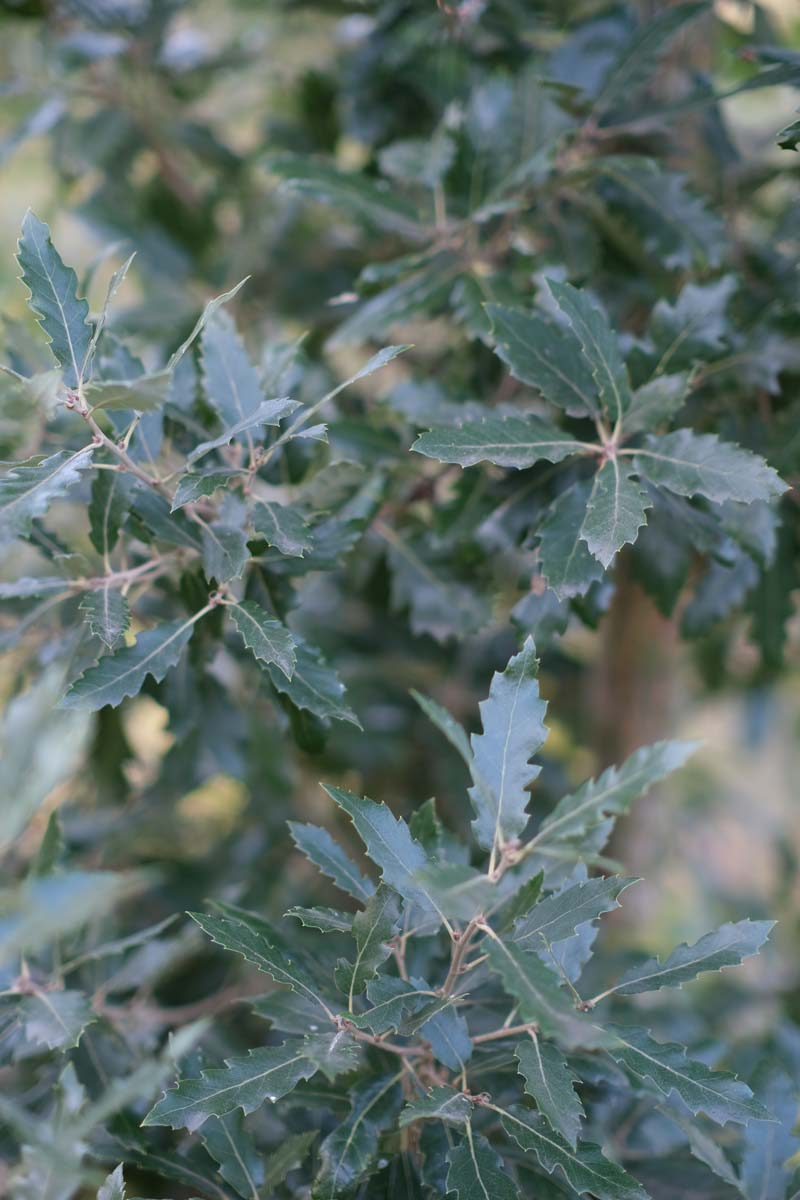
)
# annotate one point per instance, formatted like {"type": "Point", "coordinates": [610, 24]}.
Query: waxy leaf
{"type": "Point", "coordinates": [389, 844]}
{"type": "Point", "coordinates": [599, 342]}
{"type": "Point", "coordinates": [114, 1186]}
{"type": "Point", "coordinates": [699, 464]}
{"type": "Point", "coordinates": [283, 527]}
{"type": "Point", "coordinates": [326, 853]}
{"type": "Point", "coordinates": [392, 999]}
{"type": "Point", "coordinates": [441, 1103]}
{"type": "Point", "coordinates": [326, 920]}
{"type": "Point", "coordinates": [539, 998]}
{"type": "Point", "coordinates": [544, 356]}
{"type": "Point", "coordinates": [725, 947]}
{"type": "Point", "coordinates": [349, 1153]}
{"type": "Point", "coordinates": [53, 287]}
{"type": "Point", "coordinates": [107, 614]}
{"type": "Point", "coordinates": [477, 1171]}
{"type": "Point", "coordinates": [269, 412]}
{"type": "Point", "coordinates": [615, 511]}
{"type": "Point", "coordinates": [446, 1031]}
{"type": "Point", "coordinates": [286, 1157]}
{"type": "Point", "coordinates": [334, 1052]}
{"type": "Point", "coordinates": [197, 487]}
{"type": "Point", "coordinates": [264, 1074]}
{"type": "Point", "coordinates": [656, 402]}
{"type": "Point", "coordinates": [245, 938]}
{"type": "Point", "coordinates": [460, 891]}
{"type": "Point", "coordinates": [549, 1081]}
{"type": "Point", "coordinates": [586, 1168]}
{"type": "Point", "coordinates": [665, 1065]}
{"type": "Point", "coordinates": [229, 1143]}
{"type": "Point", "coordinates": [123, 673]}
{"type": "Point", "coordinates": [145, 393]}
{"type": "Point", "coordinates": [314, 686]}
{"type": "Point", "coordinates": [225, 552]}
{"type": "Point", "coordinates": [614, 791]}
{"type": "Point", "coordinates": [107, 508]}
{"type": "Point", "coordinates": [558, 916]}
{"type": "Point", "coordinates": [55, 1019]}
{"type": "Point", "coordinates": [27, 490]}
{"type": "Point", "coordinates": [567, 564]}
{"type": "Point", "coordinates": [231, 381]}
{"type": "Point", "coordinates": [513, 730]}
{"type": "Point", "coordinates": [269, 640]}
{"type": "Point", "coordinates": [506, 441]}
{"type": "Point", "coordinates": [373, 929]}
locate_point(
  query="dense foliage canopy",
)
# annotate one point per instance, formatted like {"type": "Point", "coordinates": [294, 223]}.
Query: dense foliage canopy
{"type": "Point", "coordinates": [407, 343]}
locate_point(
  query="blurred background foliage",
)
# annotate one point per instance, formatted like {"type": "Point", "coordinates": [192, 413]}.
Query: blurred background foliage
{"type": "Point", "coordinates": [164, 126]}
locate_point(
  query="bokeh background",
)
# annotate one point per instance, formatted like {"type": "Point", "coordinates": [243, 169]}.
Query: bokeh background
{"type": "Point", "coordinates": [162, 150]}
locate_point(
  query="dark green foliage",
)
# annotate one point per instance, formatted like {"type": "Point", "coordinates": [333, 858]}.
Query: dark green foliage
{"type": "Point", "coordinates": [517, 340]}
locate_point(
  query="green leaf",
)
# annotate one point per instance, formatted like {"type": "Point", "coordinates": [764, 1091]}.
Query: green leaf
{"type": "Point", "coordinates": [107, 508]}
{"type": "Point", "coordinates": [107, 614]}
{"type": "Point", "coordinates": [41, 910]}
{"type": "Point", "coordinates": [123, 673]}
{"type": "Point", "coordinates": [232, 385]}
{"type": "Point", "coordinates": [392, 999]}
{"type": "Point", "coordinates": [225, 552]}
{"type": "Point", "coordinates": [350, 1151]}
{"type": "Point", "coordinates": [314, 686]}
{"type": "Point", "coordinates": [353, 192]}
{"type": "Point", "coordinates": [446, 724]}
{"type": "Point", "coordinates": [476, 1171]}
{"type": "Point", "coordinates": [445, 1029]}
{"type": "Point", "coordinates": [549, 1081]}
{"type": "Point", "coordinates": [269, 412]}
{"type": "Point", "coordinates": [599, 343]}
{"type": "Point", "coordinates": [699, 464]}
{"type": "Point", "coordinates": [54, 300]}
{"type": "Point", "coordinates": [656, 402]}
{"type": "Point", "coordinates": [442, 1103]}
{"type": "Point", "coordinates": [229, 1144]}
{"type": "Point", "coordinates": [725, 947]}
{"type": "Point", "coordinates": [615, 511]}
{"type": "Point", "coordinates": [242, 937]}
{"type": "Point", "coordinates": [703, 1147]}
{"type": "Point", "coordinates": [326, 853]}
{"type": "Point", "coordinates": [55, 1019]}
{"type": "Point", "coordinates": [586, 1169]}
{"type": "Point", "coordinates": [694, 328]}
{"type": "Point", "coordinates": [544, 356]}
{"type": "Point", "coordinates": [373, 929]}
{"type": "Point", "coordinates": [288, 1156]}
{"type": "Point", "coordinates": [283, 527]}
{"type": "Point", "coordinates": [27, 490]}
{"type": "Point", "coordinates": [504, 441]}
{"type": "Point", "coordinates": [334, 1053]}
{"type": "Point", "coordinates": [146, 393]}
{"type": "Point", "coordinates": [264, 1074]}
{"type": "Point", "coordinates": [326, 920]}
{"type": "Point", "coordinates": [567, 564]}
{"type": "Point", "coordinates": [389, 844]}
{"type": "Point", "coordinates": [197, 487]}
{"type": "Point", "coordinates": [539, 998]}
{"type": "Point", "coordinates": [558, 916]}
{"type": "Point", "coordinates": [207, 314]}
{"type": "Point", "coordinates": [114, 1186]}
{"type": "Point", "coordinates": [788, 138]}
{"type": "Point", "coordinates": [614, 791]}
{"type": "Point", "coordinates": [460, 891]}
{"type": "Point", "coordinates": [664, 1065]}
{"type": "Point", "coordinates": [269, 640]}
{"type": "Point", "coordinates": [639, 57]}
{"type": "Point", "coordinates": [513, 730]}
{"type": "Point", "coordinates": [524, 896]}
